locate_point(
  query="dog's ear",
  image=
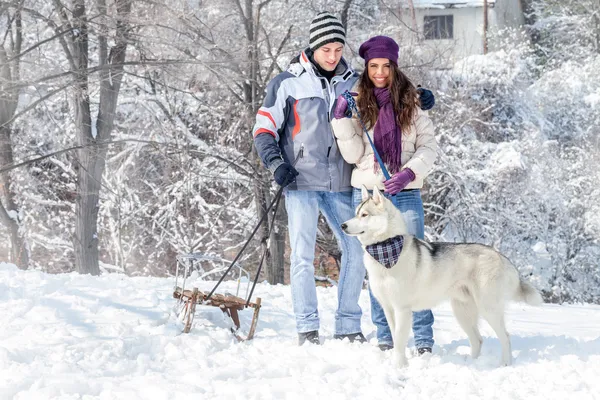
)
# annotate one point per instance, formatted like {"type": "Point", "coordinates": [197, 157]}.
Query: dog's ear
{"type": "Point", "coordinates": [365, 193]}
{"type": "Point", "coordinates": [377, 196]}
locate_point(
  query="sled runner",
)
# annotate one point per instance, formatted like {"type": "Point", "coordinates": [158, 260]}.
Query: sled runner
{"type": "Point", "coordinates": [228, 303]}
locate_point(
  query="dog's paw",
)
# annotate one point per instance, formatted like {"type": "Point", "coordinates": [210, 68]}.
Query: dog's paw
{"type": "Point", "coordinates": [399, 360]}
{"type": "Point", "coordinates": [506, 362]}
{"type": "Point", "coordinates": [476, 348]}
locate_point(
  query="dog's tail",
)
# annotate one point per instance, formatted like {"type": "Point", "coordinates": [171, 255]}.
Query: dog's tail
{"type": "Point", "coordinates": [528, 294]}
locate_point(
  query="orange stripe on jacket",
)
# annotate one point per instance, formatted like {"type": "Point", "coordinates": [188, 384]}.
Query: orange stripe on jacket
{"type": "Point", "coordinates": [266, 114]}
{"type": "Point", "coordinates": [304, 57]}
{"type": "Point", "coordinates": [297, 119]}
{"type": "Point", "coordinates": [263, 130]}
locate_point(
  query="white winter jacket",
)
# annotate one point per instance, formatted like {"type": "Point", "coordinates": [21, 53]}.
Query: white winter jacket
{"type": "Point", "coordinates": [419, 150]}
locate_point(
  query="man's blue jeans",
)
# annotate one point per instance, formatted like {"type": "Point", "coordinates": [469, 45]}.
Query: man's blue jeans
{"type": "Point", "coordinates": [410, 204]}
{"type": "Point", "coordinates": [303, 209]}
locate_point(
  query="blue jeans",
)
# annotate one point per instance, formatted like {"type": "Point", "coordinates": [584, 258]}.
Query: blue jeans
{"type": "Point", "coordinates": [410, 204]}
{"type": "Point", "coordinates": [303, 209]}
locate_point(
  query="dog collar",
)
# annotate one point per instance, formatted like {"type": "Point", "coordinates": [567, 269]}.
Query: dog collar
{"type": "Point", "coordinates": [387, 252]}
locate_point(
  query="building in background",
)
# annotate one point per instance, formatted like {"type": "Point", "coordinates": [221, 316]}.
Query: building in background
{"type": "Point", "coordinates": [448, 30]}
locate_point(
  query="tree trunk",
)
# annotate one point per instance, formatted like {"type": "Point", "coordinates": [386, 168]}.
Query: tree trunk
{"type": "Point", "coordinates": [86, 212]}
{"type": "Point", "coordinates": [413, 17]}
{"type": "Point", "coordinates": [9, 97]}
{"type": "Point", "coordinates": [276, 269]}
{"type": "Point", "coordinates": [89, 176]}
{"type": "Point", "coordinates": [272, 244]}
{"type": "Point", "coordinates": [344, 14]}
{"type": "Point", "coordinates": [485, 27]}
{"type": "Point", "coordinates": [19, 253]}
{"type": "Point", "coordinates": [92, 158]}
{"type": "Point", "coordinates": [596, 28]}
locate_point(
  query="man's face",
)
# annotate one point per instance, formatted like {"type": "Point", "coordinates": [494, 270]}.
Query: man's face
{"type": "Point", "coordinates": [329, 55]}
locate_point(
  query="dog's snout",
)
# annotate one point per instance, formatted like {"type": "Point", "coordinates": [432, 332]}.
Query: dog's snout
{"type": "Point", "coordinates": [344, 226]}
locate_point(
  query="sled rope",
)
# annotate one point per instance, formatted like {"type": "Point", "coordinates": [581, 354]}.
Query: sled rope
{"type": "Point", "coordinates": [264, 218]}
{"type": "Point", "coordinates": [237, 257]}
{"type": "Point", "coordinates": [262, 259]}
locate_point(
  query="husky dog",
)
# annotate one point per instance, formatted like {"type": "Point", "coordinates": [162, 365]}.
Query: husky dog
{"type": "Point", "coordinates": [407, 274]}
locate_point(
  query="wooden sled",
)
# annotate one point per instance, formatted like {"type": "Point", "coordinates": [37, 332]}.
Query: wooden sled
{"type": "Point", "coordinates": [229, 304]}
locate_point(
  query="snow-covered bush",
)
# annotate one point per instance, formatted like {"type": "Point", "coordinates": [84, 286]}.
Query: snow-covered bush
{"type": "Point", "coordinates": [518, 149]}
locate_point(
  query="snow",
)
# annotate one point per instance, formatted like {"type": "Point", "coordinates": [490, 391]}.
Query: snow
{"type": "Point", "coordinates": [13, 214]}
{"type": "Point", "coordinates": [541, 267]}
{"type": "Point", "coordinates": [593, 99]}
{"type": "Point", "coordinates": [94, 127]}
{"type": "Point", "coordinates": [506, 158]}
{"type": "Point", "coordinates": [496, 68]}
{"type": "Point", "coordinates": [71, 336]}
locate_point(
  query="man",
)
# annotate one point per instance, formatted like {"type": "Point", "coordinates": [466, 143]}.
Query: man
{"type": "Point", "coordinates": [294, 139]}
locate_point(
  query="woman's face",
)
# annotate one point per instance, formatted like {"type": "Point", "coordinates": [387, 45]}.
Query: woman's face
{"type": "Point", "coordinates": [379, 72]}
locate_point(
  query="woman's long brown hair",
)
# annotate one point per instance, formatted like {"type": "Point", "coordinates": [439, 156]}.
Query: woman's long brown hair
{"type": "Point", "coordinates": [402, 93]}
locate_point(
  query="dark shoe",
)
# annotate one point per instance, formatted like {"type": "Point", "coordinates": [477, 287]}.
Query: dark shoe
{"type": "Point", "coordinates": [423, 350]}
{"type": "Point", "coordinates": [385, 346]}
{"type": "Point", "coordinates": [311, 337]}
{"type": "Point", "coordinates": [352, 337]}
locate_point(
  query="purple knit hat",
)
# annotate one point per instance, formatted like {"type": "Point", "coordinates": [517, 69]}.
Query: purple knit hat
{"type": "Point", "coordinates": [379, 47]}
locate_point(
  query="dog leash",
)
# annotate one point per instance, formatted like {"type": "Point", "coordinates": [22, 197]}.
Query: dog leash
{"type": "Point", "coordinates": [352, 105]}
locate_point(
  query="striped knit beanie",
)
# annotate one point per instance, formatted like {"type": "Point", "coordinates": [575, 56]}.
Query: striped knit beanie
{"type": "Point", "coordinates": [326, 28]}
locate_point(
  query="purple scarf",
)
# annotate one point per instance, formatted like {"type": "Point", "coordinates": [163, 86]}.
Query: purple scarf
{"type": "Point", "coordinates": [387, 134]}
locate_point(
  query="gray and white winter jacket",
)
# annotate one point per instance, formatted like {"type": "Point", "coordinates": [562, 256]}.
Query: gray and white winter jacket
{"type": "Point", "coordinates": [295, 115]}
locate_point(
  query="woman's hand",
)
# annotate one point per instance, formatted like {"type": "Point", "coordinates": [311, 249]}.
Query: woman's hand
{"type": "Point", "coordinates": [399, 181]}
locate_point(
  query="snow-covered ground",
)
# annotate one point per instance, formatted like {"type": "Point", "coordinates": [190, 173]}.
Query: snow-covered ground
{"type": "Point", "coordinates": [113, 337]}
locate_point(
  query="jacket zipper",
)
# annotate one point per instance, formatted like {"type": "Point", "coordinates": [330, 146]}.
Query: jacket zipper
{"type": "Point", "coordinates": [329, 87]}
{"type": "Point", "coordinates": [300, 154]}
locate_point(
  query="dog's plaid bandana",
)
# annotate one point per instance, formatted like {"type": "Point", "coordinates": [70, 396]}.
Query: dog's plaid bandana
{"type": "Point", "coordinates": [387, 252]}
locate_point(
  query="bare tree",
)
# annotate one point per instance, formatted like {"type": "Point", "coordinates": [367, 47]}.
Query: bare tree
{"type": "Point", "coordinates": [485, 26]}
{"type": "Point", "coordinates": [91, 134]}
{"type": "Point", "coordinates": [345, 12]}
{"type": "Point", "coordinates": [253, 83]}
{"type": "Point", "coordinates": [413, 16]}
{"type": "Point", "coordinates": [243, 61]}
{"type": "Point", "coordinates": [10, 51]}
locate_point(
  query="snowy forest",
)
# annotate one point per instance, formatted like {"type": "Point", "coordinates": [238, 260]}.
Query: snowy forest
{"type": "Point", "coordinates": [126, 138]}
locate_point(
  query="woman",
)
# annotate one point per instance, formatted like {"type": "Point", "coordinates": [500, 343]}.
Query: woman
{"type": "Point", "coordinates": [404, 137]}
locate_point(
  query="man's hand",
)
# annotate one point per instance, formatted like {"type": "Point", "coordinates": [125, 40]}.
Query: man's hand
{"type": "Point", "coordinates": [427, 98]}
{"type": "Point", "coordinates": [341, 109]}
{"type": "Point", "coordinates": [285, 174]}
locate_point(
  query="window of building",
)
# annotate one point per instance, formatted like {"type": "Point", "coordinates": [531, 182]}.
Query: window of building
{"type": "Point", "coordinates": [439, 27]}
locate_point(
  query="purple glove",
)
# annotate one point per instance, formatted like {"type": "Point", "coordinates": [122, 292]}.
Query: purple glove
{"type": "Point", "coordinates": [399, 181]}
{"type": "Point", "coordinates": [341, 109]}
